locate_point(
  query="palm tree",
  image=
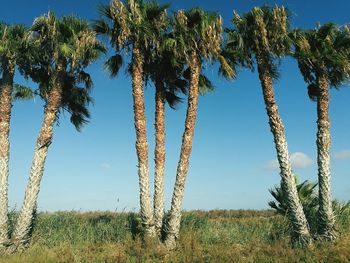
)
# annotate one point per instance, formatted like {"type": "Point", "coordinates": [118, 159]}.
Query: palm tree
{"type": "Point", "coordinates": [135, 26]}
{"type": "Point", "coordinates": [11, 54]}
{"type": "Point", "coordinates": [65, 47]}
{"type": "Point", "coordinates": [198, 37]}
{"type": "Point", "coordinates": [323, 56]}
{"type": "Point", "coordinates": [168, 82]}
{"type": "Point", "coordinates": [263, 33]}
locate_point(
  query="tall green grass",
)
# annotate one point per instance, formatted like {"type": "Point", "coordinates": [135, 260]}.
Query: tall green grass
{"type": "Point", "coordinates": [215, 236]}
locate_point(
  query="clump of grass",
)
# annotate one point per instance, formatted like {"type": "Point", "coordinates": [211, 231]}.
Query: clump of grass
{"type": "Point", "coordinates": [75, 227]}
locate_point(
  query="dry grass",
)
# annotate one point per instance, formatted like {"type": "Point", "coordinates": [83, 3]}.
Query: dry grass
{"type": "Point", "coordinates": [215, 236]}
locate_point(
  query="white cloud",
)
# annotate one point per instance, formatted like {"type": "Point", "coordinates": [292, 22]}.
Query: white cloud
{"type": "Point", "coordinates": [298, 160]}
{"type": "Point", "coordinates": [105, 166]}
{"type": "Point", "coordinates": [272, 165]}
{"type": "Point", "coordinates": [342, 155]}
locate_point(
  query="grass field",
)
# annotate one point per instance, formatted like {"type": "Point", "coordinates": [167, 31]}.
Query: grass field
{"type": "Point", "coordinates": [215, 236]}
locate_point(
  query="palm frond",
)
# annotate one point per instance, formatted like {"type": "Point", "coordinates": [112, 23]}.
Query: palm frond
{"type": "Point", "coordinates": [113, 64]}
{"type": "Point", "coordinates": [63, 49]}
{"type": "Point", "coordinates": [225, 68]}
{"type": "Point", "coordinates": [172, 99]}
{"type": "Point", "coordinates": [22, 92]}
{"type": "Point", "coordinates": [85, 78]}
{"type": "Point", "coordinates": [101, 27]}
{"type": "Point", "coordinates": [313, 91]}
{"type": "Point", "coordinates": [264, 33]}
{"type": "Point", "coordinates": [205, 85]}
{"type": "Point", "coordinates": [12, 42]}
{"type": "Point", "coordinates": [324, 51]}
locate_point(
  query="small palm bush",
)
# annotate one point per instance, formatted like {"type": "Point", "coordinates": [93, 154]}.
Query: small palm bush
{"type": "Point", "coordinates": [308, 196]}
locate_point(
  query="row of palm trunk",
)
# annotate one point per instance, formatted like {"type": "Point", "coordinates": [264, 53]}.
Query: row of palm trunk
{"type": "Point", "coordinates": [261, 37]}
{"type": "Point", "coordinates": [265, 47]}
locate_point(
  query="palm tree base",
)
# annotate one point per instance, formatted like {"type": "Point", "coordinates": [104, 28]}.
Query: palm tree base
{"type": "Point", "coordinates": [158, 232]}
{"type": "Point", "coordinates": [13, 247]}
{"type": "Point", "coordinates": [150, 231]}
{"type": "Point", "coordinates": [3, 248]}
{"type": "Point", "coordinates": [301, 240]}
{"type": "Point", "coordinates": [3, 241]}
{"type": "Point", "coordinates": [170, 242]}
{"type": "Point", "coordinates": [329, 234]}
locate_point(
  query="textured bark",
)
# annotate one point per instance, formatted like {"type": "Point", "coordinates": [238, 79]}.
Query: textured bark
{"type": "Point", "coordinates": [5, 116]}
{"type": "Point", "coordinates": [141, 143]}
{"type": "Point", "coordinates": [22, 233]}
{"type": "Point", "coordinates": [300, 229]}
{"type": "Point", "coordinates": [323, 142]}
{"type": "Point", "coordinates": [159, 158]}
{"type": "Point", "coordinates": [173, 224]}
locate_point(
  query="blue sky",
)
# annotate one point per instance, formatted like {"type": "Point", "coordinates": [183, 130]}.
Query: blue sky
{"type": "Point", "coordinates": [233, 159]}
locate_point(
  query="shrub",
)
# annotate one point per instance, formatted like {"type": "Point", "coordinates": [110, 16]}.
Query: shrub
{"type": "Point", "coordinates": [307, 192]}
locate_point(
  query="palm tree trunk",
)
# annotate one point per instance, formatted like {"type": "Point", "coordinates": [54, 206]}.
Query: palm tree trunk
{"type": "Point", "coordinates": [26, 218]}
{"type": "Point", "coordinates": [159, 158]}
{"type": "Point", "coordinates": [323, 142]}
{"type": "Point", "coordinates": [5, 116]}
{"type": "Point", "coordinates": [173, 224]}
{"type": "Point", "coordinates": [300, 229]}
{"type": "Point", "coordinates": [141, 143]}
